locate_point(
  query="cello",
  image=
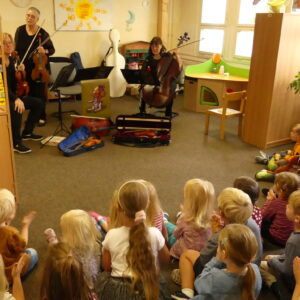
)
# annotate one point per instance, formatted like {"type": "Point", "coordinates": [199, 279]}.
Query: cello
{"type": "Point", "coordinates": [117, 82]}
{"type": "Point", "coordinates": [168, 70]}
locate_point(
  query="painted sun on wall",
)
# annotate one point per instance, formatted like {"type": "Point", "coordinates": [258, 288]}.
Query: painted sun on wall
{"type": "Point", "coordinates": [83, 15]}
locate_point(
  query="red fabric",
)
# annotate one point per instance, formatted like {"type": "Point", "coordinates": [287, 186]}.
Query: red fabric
{"type": "Point", "coordinates": [274, 210]}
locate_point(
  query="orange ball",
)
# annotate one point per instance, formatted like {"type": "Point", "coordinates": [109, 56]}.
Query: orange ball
{"type": "Point", "coordinates": [216, 58]}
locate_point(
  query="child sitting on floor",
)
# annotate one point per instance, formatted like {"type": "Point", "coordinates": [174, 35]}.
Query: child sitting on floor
{"type": "Point", "coordinates": [131, 252]}
{"type": "Point", "coordinates": [276, 228]}
{"type": "Point", "coordinates": [251, 188]}
{"type": "Point", "coordinates": [282, 265]}
{"type": "Point", "coordinates": [63, 276]}
{"type": "Point", "coordinates": [234, 207]}
{"type": "Point", "coordinates": [79, 232]}
{"type": "Point", "coordinates": [192, 227]}
{"type": "Point", "coordinates": [13, 243]}
{"type": "Point", "coordinates": [237, 246]}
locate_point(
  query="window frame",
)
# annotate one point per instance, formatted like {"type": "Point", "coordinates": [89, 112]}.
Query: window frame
{"type": "Point", "coordinates": [231, 29]}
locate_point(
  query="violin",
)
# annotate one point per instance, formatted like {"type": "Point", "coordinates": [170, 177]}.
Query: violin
{"type": "Point", "coordinates": [39, 72]}
{"type": "Point", "coordinates": [168, 70]}
{"type": "Point", "coordinates": [22, 84]}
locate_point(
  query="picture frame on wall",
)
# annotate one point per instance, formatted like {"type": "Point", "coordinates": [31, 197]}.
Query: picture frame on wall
{"type": "Point", "coordinates": [83, 15]}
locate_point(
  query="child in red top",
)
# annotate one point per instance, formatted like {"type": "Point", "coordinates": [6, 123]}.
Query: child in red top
{"type": "Point", "coordinates": [251, 188]}
{"type": "Point", "coordinates": [275, 225]}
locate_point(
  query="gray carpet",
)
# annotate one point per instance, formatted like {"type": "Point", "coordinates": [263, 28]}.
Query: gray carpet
{"type": "Point", "coordinates": [52, 184]}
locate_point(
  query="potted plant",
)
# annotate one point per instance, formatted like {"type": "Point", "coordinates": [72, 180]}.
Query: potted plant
{"type": "Point", "coordinates": [295, 84]}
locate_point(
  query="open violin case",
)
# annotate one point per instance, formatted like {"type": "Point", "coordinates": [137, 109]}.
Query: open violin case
{"type": "Point", "coordinates": [142, 130]}
{"type": "Point", "coordinates": [80, 141]}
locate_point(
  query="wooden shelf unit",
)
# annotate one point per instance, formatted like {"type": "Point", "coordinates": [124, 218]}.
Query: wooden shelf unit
{"type": "Point", "coordinates": [7, 161]}
{"type": "Point", "coordinates": [137, 50]}
{"type": "Point", "coordinates": [272, 109]}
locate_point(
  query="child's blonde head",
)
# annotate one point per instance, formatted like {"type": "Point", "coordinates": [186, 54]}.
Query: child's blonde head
{"type": "Point", "coordinates": [199, 201]}
{"type": "Point", "coordinates": [7, 205]}
{"type": "Point", "coordinates": [286, 183]}
{"type": "Point", "coordinates": [240, 245]}
{"type": "Point", "coordinates": [79, 230]}
{"type": "Point", "coordinates": [133, 197]}
{"type": "Point", "coordinates": [294, 202]}
{"type": "Point", "coordinates": [235, 205]}
{"type": "Point", "coordinates": [3, 281]}
{"type": "Point", "coordinates": [296, 129]}
{"type": "Point", "coordinates": [154, 206]}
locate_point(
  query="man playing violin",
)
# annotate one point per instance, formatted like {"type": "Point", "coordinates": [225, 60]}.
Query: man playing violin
{"type": "Point", "coordinates": [23, 39]}
{"type": "Point", "coordinates": [18, 104]}
{"type": "Point", "coordinates": [156, 52]}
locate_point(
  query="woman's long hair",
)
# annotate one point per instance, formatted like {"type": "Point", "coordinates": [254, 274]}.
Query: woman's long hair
{"type": "Point", "coordinates": [240, 244]}
{"type": "Point", "coordinates": [157, 41]}
{"type": "Point", "coordinates": [134, 197]}
{"type": "Point", "coordinates": [63, 275]}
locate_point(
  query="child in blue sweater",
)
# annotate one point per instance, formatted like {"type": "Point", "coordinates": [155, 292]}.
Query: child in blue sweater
{"type": "Point", "coordinates": [237, 246]}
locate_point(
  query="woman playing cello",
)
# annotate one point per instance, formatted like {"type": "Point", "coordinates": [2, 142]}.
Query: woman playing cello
{"type": "Point", "coordinates": [154, 63]}
{"type": "Point", "coordinates": [23, 38]}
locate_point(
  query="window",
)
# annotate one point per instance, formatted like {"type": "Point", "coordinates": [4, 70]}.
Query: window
{"type": "Point", "coordinates": [227, 27]}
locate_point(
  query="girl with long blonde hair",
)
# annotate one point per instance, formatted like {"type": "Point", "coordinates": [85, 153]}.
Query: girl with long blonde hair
{"type": "Point", "coordinates": [192, 227]}
{"type": "Point", "coordinates": [80, 233]}
{"type": "Point", "coordinates": [241, 279]}
{"type": "Point", "coordinates": [130, 252]}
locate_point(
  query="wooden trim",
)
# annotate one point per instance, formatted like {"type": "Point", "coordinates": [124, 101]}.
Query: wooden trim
{"type": "Point", "coordinates": [163, 21]}
{"type": "Point", "coordinates": [7, 160]}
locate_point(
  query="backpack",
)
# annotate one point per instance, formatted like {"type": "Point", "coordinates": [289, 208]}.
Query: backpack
{"type": "Point", "coordinates": [76, 59]}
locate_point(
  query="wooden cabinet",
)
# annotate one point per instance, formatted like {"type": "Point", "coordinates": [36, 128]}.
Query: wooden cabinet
{"type": "Point", "coordinates": [7, 162]}
{"type": "Point", "coordinates": [271, 108]}
{"type": "Point", "coordinates": [205, 91]}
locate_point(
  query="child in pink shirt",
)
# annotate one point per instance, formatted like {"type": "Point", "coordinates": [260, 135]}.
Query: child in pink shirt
{"type": "Point", "coordinates": [275, 225]}
{"type": "Point", "coordinates": [192, 227]}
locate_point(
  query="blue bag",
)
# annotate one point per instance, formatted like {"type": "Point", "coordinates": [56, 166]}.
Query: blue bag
{"type": "Point", "coordinates": [80, 141]}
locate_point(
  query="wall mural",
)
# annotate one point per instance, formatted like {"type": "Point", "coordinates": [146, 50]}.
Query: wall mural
{"type": "Point", "coordinates": [83, 15]}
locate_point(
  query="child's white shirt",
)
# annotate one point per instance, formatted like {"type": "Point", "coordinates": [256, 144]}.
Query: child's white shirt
{"type": "Point", "coordinates": [117, 242]}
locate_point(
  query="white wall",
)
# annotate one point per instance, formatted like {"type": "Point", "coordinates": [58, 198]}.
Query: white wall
{"type": "Point", "coordinates": [91, 45]}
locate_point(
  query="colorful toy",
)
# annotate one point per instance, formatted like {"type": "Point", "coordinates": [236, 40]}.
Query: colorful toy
{"type": "Point", "coordinates": [98, 94]}
{"type": "Point", "coordinates": [279, 162]}
{"type": "Point", "coordinates": [216, 60]}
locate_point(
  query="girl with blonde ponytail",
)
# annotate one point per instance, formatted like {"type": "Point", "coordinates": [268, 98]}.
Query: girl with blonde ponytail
{"type": "Point", "coordinates": [240, 279]}
{"type": "Point", "coordinates": [130, 252]}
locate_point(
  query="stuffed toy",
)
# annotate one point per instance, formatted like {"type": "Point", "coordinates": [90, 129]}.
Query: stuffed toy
{"type": "Point", "coordinates": [279, 162]}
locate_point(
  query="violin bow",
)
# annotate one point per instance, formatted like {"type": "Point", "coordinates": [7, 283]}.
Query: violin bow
{"type": "Point", "coordinates": [49, 37]}
{"type": "Point", "coordinates": [32, 42]}
{"type": "Point", "coordinates": [187, 44]}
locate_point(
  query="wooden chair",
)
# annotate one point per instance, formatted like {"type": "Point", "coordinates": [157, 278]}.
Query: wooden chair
{"type": "Point", "coordinates": [225, 112]}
